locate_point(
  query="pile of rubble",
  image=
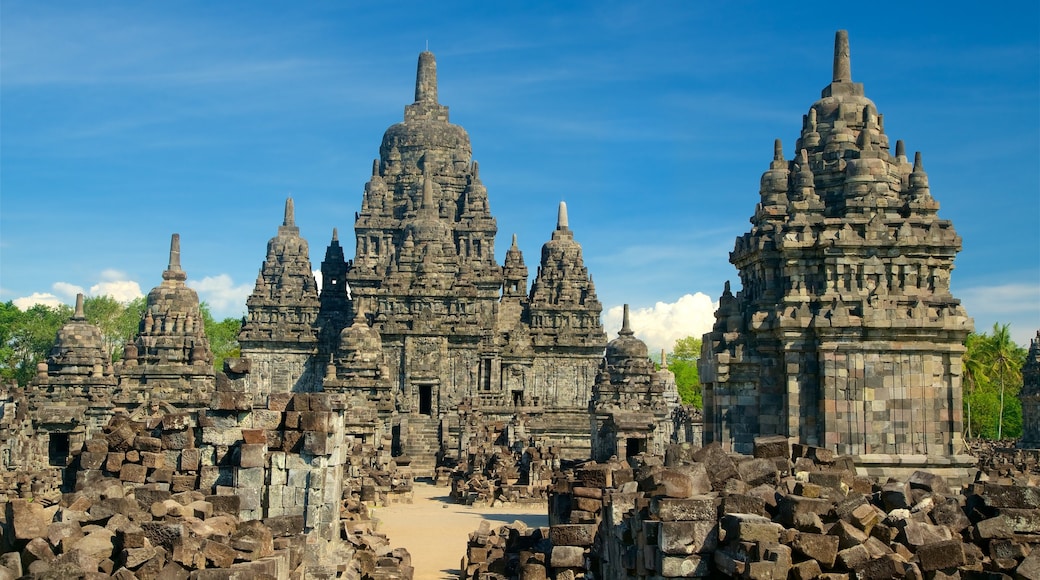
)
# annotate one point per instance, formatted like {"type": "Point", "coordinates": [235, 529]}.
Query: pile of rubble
{"type": "Point", "coordinates": [787, 512]}
{"type": "Point", "coordinates": [106, 528]}
{"type": "Point", "coordinates": [227, 494]}
{"type": "Point", "coordinates": [491, 471]}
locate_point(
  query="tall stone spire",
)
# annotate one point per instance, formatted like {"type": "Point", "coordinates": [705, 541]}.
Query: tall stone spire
{"type": "Point", "coordinates": [842, 59]}
{"type": "Point", "coordinates": [78, 314]}
{"type": "Point", "coordinates": [626, 328]}
{"type": "Point", "coordinates": [561, 216]}
{"type": "Point", "coordinates": [290, 213]}
{"type": "Point", "coordinates": [426, 79]}
{"type": "Point", "coordinates": [173, 270]}
{"type": "Point", "coordinates": [841, 83]}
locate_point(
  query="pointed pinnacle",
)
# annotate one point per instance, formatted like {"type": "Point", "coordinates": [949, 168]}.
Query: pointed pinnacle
{"type": "Point", "coordinates": [918, 164]}
{"type": "Point", "coordinates": [561, 217]}
{"type": "Point", "coordinates": [626, 329]}
{"type": "Point", "coordinates": [514, 241]}
{"type": "Point", "coordinates": [335, 235]}
{"type": "Point", "coordinates": [842, 60]}
{"type": "Point", "coordinates": [426, 78]}
{"type": "Point", "coordinates": [290, 213]}
{"type": "Point", "coordinates": [79, 307]}
{"type": "Point", "coordinates": [175, 253]}
{"type": "Point", "coordinates": [778, 150]}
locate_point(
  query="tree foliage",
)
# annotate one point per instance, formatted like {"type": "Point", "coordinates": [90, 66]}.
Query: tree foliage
{"type": "Point", "coordinates": [992, 379]}
{"type": "Point", "coordinates": [118, 322]}
{"type": "Point", "coordinates": [682, 361]}
{"type": "Point", "coordinates": [222, 335]}
{"type": "Point", "coordinates": [26, 337]}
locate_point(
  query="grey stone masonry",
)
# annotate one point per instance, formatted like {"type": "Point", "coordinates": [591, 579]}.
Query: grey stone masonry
{"type": "Point", "coordinates": [844, 334]}
{"type": "Point", "coordinates": [170, 359]}
{"type": "Point", "coordinates": [455, 325]}
{"type": "Point", "coordinates": [70, 397]}
{"type": "Point", "coordinates": [279, 336]}
{"type": "Point", "coordinates": [632, 404]}
{"type": "Point", "coordinates": [1030, 395]}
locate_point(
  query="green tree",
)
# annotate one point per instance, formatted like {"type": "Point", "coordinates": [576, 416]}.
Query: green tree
{"type": "Point", "coordinates": [28, 336]}
{"type": "Point", "coordinates": [682, 361]}
{"type": "Point", "coordinates": [118, 322]}
{"type": "Point", "coordinates": [1006, 360]}
{"type": "Point", "coordinates": [992, 374]}
{"type": "Point", "coordinates": [974, 375]}
{"type": "Point", "coordinates": [222, 336]}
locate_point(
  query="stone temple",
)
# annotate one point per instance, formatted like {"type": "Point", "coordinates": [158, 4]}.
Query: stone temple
{"type": "Point", "coordinates": [424, 356]}
{"type": "Point", "coordinates": [844, 334]}
{"type": "Point", "coordinates": [448, 326]}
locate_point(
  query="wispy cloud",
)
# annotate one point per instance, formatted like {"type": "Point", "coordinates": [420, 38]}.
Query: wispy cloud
{"type": "Point", "coordinates": [224, 297]}
{"type": "Point", "coordinates": [660, 325]}
{"type": "Point", "coordinates": [1017, 305]}
{"type": "Point", "coordinates": [44, 298]}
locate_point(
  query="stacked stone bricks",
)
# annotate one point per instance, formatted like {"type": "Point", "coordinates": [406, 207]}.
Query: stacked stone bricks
{"type": "Point", "coordinates": [845, 334]}
{"type": "Point", "coordinates": [787, 511]}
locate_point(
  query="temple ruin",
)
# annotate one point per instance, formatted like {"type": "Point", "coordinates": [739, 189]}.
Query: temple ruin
{"type": "Point", "coordinates": [838, 362]}
{"type": "Point", "coordinates": [844, 334]}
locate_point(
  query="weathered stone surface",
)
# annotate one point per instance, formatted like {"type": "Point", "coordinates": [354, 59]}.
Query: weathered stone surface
{"type": "Point", "coordinates": [567, 557]}
{"type": "Point", "coordinates": [823, 549]}
{"type": "Point", "coordinates": [692, 537]}
{"type": "Point", "coordinates": [825, 263]}
{"type": "Point", "coordinates": [939, 555]}
{"type": "Point", "coordinates": [693, 508]}
{"type": "Point", "coordinates": [572, 535]}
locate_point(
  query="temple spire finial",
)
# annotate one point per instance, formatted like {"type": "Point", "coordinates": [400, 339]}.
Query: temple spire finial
{"type": "Point", "coordinates": [426, 78]}
{"type": "Point", "coordinates": [778, 150]}
{"type": "Point", "coordinates": [626, 329]}
{"type": "Point", "coordinates": [842, 60]}
{"type": "Point", "coordinates": [175, 253]}
{"type": "Point", "coordinates": [173, 270]}
{"type": "Point", "coordinates": [78, 315]}
{"type": "Point", "coordinates": [561, 217]}
{"type": "Point", "coordinates": [335, 234]}
{"type": "Point", "coordinates": [290, 213]}
{"type": "Point", "coordinates": [514, 240]}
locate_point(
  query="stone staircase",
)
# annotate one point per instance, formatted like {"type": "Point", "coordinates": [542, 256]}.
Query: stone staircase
{"type": "Point", "coordinates": [421, 443]}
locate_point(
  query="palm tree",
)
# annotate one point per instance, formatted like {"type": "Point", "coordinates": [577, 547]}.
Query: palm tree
{"type": "Point", "coordinates": [1005, 361]}
{"type": "Point", "coordinates": [974, 369]}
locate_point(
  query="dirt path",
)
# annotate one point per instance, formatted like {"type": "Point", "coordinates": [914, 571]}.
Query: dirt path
{"type": "Point", "coordinates": [435, 530]}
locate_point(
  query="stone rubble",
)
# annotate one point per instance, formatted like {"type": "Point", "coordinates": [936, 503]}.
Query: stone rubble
{"type": "Point", "coordinates": [787, 511]}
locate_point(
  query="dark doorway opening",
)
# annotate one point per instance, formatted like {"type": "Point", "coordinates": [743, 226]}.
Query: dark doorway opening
{"type": "Point", "coordinates": [425, 400]}
{"type": "Point", "coordinates": [634, 446]}
{"type": "Point", "coordinates": [518, 398]}
{"type": "Point", "coordinates": [58, 449]}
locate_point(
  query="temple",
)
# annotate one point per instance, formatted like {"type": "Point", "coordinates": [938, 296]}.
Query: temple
{"type": "Point", "coordinates": [844, 334]}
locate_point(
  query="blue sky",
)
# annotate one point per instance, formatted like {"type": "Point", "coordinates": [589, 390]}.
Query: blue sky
{"type": "Point", "coordinates": [121, 123]}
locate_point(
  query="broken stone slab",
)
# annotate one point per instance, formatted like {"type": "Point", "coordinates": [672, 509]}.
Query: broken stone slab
{"type": "Point", "coordinates": [680, 509]}
{"type": "Point", "coordinates": [819, 547]}
{"type": "Point", "coordinates": [940, 555]}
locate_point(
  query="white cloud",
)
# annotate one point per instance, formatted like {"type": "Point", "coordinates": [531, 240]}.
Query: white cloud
{"type": "Point", "coordinates": [1017, 305]}
{"type": "Point", "coordinates": [113, 275]}
{"type": "Point", "coordinates": [122, 290]}
{"type": "Point", "coordinates": [662, 324]}
{"type": "Point", "coordinates": [317, 278]}
{"type": "Point", "coordinates": [224, 298]}
{"type": "Point", "coordinates": [67, 290]}
{"type": "Point", "coordinates": [45, 298]}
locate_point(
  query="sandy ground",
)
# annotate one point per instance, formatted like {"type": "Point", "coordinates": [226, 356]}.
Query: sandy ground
{"type": "Point", "coordinates": [435, 530]}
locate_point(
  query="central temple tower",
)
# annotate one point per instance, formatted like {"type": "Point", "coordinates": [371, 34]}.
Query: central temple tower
{"type": "Point", "coordinates": [455, 325]}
